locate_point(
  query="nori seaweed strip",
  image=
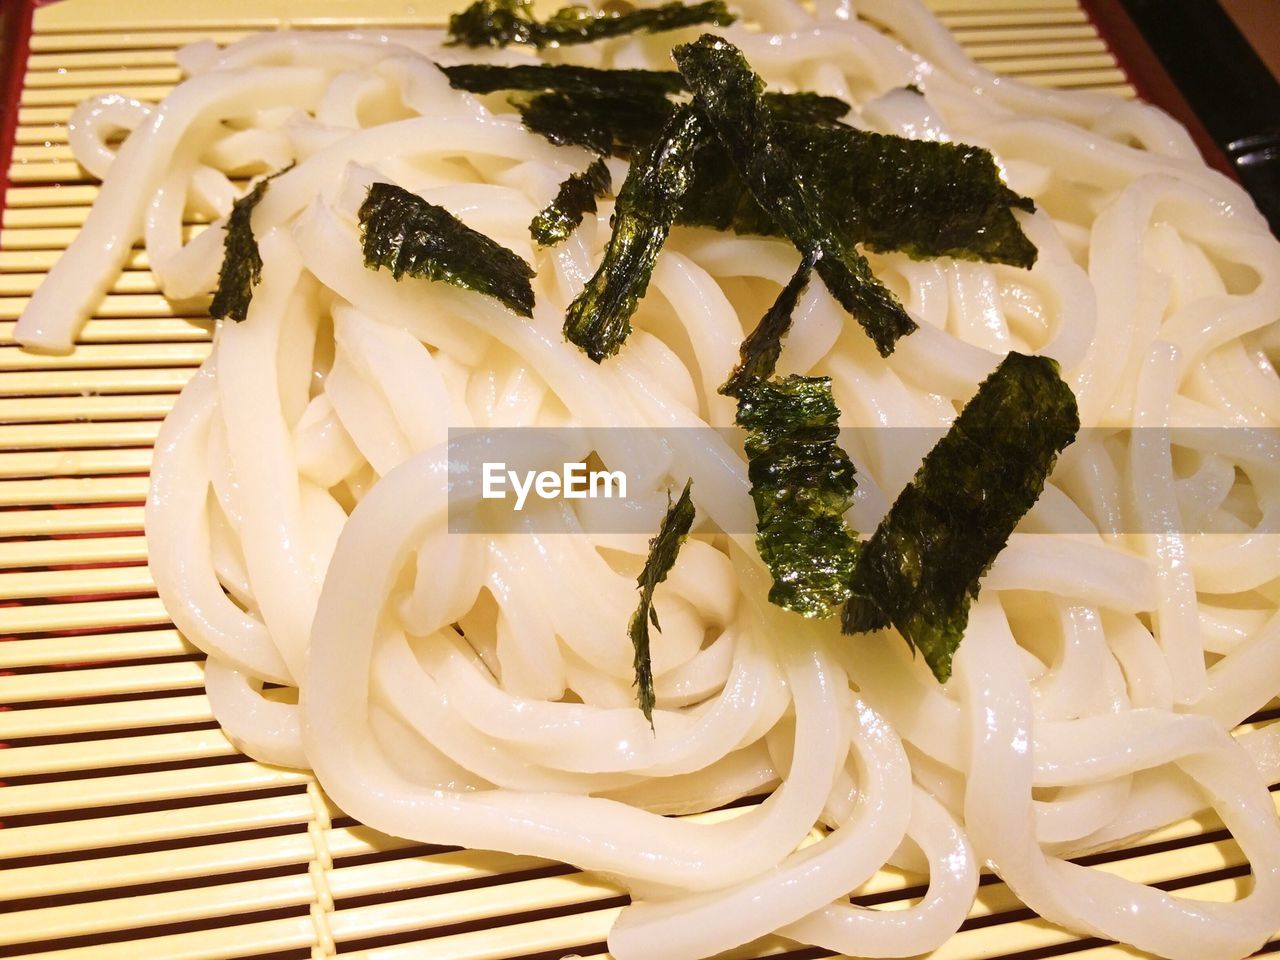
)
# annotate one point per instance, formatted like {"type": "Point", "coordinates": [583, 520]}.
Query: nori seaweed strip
{"type": "Point", "coordinates": [925, 198]}
{"type": "Point", "coordinates": [576, 197]}
{"type": "Point", "coordinates": [241, 268]}
{"type": "Point", "coordinates": [921, 568]}
{"type": "Point", "coordinates": [493, 23]}
{"type": "Point", "coordinates": [759, 352]}
{"type": "Point", "coordinates": [575, 24]}
{"type": "Point", "coordinates": [497, 23]}
{"type": "Point", "coordinates": [616, 125]}
{"type": "Point", "coordinates": [621, 122]}
{"type": "Point", "coordinates": [594, 81]}
{"type": "Point", "coordinates": [718, 200]}
{"type": "Point", "coordinates": [565, 78]}
{"type": "Point", "coordinates": [729, 93]}
{"type": "Point", "coordinates": [663, 550]}
{"type": "Point", "coordinates": [802, 483]}
{"type": "Point", "coordinates": [408, 235]}
{"type": "Point", "coordinates": [599, 320]}
{"type": "Point", "coordinates": [805, 106]}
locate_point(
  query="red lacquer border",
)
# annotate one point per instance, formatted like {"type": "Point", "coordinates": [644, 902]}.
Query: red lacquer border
{"type": "Point", "coordinates": [1148, 75]}
{"type": "Point", "coordinates": [15, 45]}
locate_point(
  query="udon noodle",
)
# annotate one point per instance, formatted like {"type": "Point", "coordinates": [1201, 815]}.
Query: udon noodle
{"type": "Point", "coordinates": [477, 689]}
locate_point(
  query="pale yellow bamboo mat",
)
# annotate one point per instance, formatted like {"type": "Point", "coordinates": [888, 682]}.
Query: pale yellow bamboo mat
{"type": "Point", "coordinates": [132, 829]}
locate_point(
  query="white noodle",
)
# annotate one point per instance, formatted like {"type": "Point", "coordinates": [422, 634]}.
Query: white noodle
{"type": "Point", "coordinates": [477, 689]}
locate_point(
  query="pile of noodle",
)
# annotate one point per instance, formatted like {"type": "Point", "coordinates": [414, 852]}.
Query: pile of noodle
{"type": "Point", "coordinates": [477, 689]}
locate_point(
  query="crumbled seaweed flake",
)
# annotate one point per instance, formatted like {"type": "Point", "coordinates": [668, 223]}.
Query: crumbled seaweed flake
{"type": "Point", "coordinates": [407, 235]}
{"type": "Point", "coordinates": [663, 550]}
{"type": "Point", "coordinates": [576, 197]}
{"type": "Point", "coordinates": [241, 261]}
{"type": "Point", "coordinates": [921, 569]}
{"type": "Point", "coordinates": [618, 125]}
{"type": "Point", "coordinates": [599, 320]}
{"type": "Point", "coordinates": [802, 483]}
{"type": "Point", "coordinates": [914, 88]}
{"type": "Point", "coordinates": [758, 355]}
{"type": "Point", "coordinates": [730, 95]}
{"type": "Point", "coordinates": [562, 78]}
{"type": "Point", "coordinates": [497, 23]}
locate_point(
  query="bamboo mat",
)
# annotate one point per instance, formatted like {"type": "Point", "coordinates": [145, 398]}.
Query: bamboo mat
{"type": "Point", "coordinates": [131, 827]}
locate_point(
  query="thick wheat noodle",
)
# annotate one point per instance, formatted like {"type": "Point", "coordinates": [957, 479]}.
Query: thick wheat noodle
{"type": "Point", "coordinates": [476, 689]}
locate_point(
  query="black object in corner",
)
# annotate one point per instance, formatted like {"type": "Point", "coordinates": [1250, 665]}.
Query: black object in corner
{"type": "Point", "coordinates": [1225, 82]}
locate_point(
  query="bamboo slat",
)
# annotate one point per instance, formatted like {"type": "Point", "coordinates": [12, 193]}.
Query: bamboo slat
{"type": "Point", "coordinates": [109, 681]}
{"type": "Point", "coordinates": [220, 823]}
{"type": "Point", "coordinates": [95, 647]}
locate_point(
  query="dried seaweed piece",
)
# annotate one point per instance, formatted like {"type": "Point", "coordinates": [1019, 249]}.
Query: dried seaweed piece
{"type": "Point", "coordinates": [493, 23]}
{"type": "Point", "coordinates": [563, 78]}
{"type": "Point", "coordinates": [921, 569]}
{"type": "Point", "coordinates": [663, 550]}
{"type": "Point", "coordinates": [408, 235]}
{"type": "Point", "coordinates": [595, 81]}
{"type": "Point", "coordinates": [802, 483]}
{"type": "Point", "coordinates": [621, 119]}
{"type": "Point", "coordinates": [925, 198]}
{"type": "Point", "coordinates": [730, 95]}
{"type": "Point", "coordinates": [241, 268]}
{"type": "Point", "coordinates": [577, 24]}
{"type": "Point", "coordinates": [758, 355]}
{"type": "Point", "coordinates": [615, 125]}
{"type": "Point", "coordinates": [576, 198]}
{"type": "Point", "coordinates": [717, 198]}
{"type": "Point", "coordinates": [599, 320]}
{"type": "Point", "coordinates": [497, 23]}
{"type": "Point", "coordinates": [805, 106]}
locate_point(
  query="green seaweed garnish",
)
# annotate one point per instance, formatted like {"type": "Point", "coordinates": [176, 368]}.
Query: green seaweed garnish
{"type": "Point", "coordinates": [621, 118]}
{"type": "Point", "coordinates": [613, 125]}
{"type": "Point", "coordinates": [802, 483]}
{"type": "Point", "coordinates": [407, 235]}
{"type": "Point", "coordinates": [241, 268]}
{"type": "Point", "coordinates": [576, 24]}
{"type": "Point", "coordinates": [493, 23]}
{"type": "Point", "coordinates": [921, 569]}
{"type": "Point", "coordinates": [497, 23]}
{"type": "Point", "coordinates": [624, 84]}
{"type": "Point", "coordinates": [599, 320]}
{"type": "Point", "coordinates": [759, 352]}
{"type": "Point", "coordinates": [805, 106]}
{"type": "Point", "coordinates": [731, 96]}
{"type": "Point", "coordinates": [563, 78]}
{"type": "Point", "coordinates": [924, 198]}
{"type": "Point", "coordinates": [663, 550]}
{"type": "Point", "coordinates": [576, 198]}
